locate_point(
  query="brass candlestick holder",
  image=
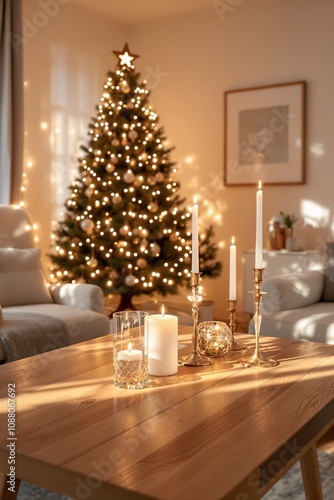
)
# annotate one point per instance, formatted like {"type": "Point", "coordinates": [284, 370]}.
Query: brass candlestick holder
{"type": "Point", "coordinates": [232, 309]}
{"type": "Point", "coordinates": [257, 359]}
{"type": "Point", "coordinates": [196, 297]}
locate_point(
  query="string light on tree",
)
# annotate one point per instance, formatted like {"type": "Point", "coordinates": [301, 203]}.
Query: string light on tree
{"type": "Point", "coordinates": [125, 226]}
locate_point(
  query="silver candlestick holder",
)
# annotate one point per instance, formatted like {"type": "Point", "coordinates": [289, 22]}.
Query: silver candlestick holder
{"type": "Point", "coordinates": [196, 297]}
{"type": "Point", "coordinates": [257, 359]}
{"type": "Point", "coordinates": [232, 309]}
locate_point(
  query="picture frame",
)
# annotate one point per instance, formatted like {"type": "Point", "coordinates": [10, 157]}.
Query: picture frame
{"type": "Point", "coordinates": [265, 134]}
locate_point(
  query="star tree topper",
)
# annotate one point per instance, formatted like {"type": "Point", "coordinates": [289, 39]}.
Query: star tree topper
{"type": "Point", "coordinates": [125, 57]}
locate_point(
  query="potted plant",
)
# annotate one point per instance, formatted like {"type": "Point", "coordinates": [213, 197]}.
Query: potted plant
{"type": "Point", "coordinates": [289, 221]}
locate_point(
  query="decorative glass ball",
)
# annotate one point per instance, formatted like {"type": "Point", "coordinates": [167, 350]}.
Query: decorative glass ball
{"type": "Point", "coordinates": [87, 225]}
{"type": "Point", "coordinates": [214, 338]}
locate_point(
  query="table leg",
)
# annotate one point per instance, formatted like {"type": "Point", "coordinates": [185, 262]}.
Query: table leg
{"type": "Point", "coordinates": [5, 494]}
{"type": "Point", "coordinates": [310, 472]}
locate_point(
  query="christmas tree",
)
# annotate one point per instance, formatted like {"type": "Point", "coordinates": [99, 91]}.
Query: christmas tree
{"type": "Point", "coordinates": [125, 227]}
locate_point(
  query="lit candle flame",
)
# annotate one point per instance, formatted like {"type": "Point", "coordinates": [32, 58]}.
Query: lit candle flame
{"type": "Point", "coordinates": [195, 199]}
{"type": "Point", "coordinates": [129, 346]}
{"type": "Point", "coordinates": [233, 242]}
{"type": "Point", "coordinates": [260, 184]}
{"type": "Point", "coordinates": [163, 309]}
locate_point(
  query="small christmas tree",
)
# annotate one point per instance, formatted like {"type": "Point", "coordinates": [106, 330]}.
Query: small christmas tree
{"type": "Point", "coordinates": [125, 229]}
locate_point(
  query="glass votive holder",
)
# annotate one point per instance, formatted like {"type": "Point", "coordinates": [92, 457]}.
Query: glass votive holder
{"type": "Point", "coordinates": [130, 362]}
{"type": "Point", "coordinates": [214, 338]}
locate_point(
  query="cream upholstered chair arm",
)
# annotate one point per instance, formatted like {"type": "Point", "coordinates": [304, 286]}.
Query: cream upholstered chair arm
{"type": "Point", "coordinates": [292, 291]}
{"type": "Point", "coordinates": [81, 295]}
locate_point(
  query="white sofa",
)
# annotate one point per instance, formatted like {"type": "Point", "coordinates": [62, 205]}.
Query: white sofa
{"type": "Point", "coordinates": [299, 306]}
{"type": "Point", "coordinates": [35, 317]}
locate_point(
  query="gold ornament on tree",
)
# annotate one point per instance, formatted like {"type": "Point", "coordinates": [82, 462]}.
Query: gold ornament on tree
{"type": "Point", "coordinates": [110, 168]}
{"type": "Point", "coordinates": [117, 198]}
{"type": "Point", "coordinates": [124, 230]}
{"type": "Point", "coordinates": [153, 207]}
{"type": "Point", "coordinates": [151, 180]}
{"type": "Point", "coordinates": [125, 87]}
{"type": "Point", "coordinates": [129, 177]}
{"type": "Point", "coordinates": [87, 225]}
{"type": "Point", "coordinates": [133, 134]}
{"type": "Point", "coordinates": [93, 262]}
{"type": "Point", "coordinates": [159, 177]}
{"type": "Point", "coordinates": [130, 280]}
{"type": "Point", "coordinates": [141, 263]}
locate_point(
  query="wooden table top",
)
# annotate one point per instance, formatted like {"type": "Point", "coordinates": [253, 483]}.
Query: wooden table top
{"type": "Point", "coordinates": [194, 435]}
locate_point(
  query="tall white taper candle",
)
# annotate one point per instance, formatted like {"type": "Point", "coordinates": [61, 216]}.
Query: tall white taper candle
{"type": "Point", "coordinates": [194, 248]}
{"type": "Point", "coordinates": [258, 239]}
{"type": "Point", "coordinates": [233, 271]}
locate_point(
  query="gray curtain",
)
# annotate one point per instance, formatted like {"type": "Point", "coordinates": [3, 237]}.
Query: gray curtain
{"type": "Point", "coordinates": [11, 101]}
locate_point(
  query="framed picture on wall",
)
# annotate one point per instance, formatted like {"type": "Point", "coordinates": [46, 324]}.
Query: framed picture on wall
{"type": "Point", "coordinates": [265, 135]}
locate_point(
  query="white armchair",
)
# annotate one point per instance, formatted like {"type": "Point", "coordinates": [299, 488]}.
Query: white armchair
{"type": "Point", "coordinates": [35, 317]}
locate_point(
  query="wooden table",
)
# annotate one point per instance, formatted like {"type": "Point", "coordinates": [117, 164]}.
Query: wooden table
{"type": "Point", "coordinates": [222, 431]}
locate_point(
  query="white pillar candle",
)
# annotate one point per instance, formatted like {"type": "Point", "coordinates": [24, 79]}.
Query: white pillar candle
{"type": "Point", "coordinates": [233, 271]}
{"type": "Point", "coordinates": [162, 344]}
{"type": "Point", "coordinates": [130, 354]}
{"type": "Point", "coordinates": [258, 238]}
{"type": "Point", "coordinates": [194, 249]}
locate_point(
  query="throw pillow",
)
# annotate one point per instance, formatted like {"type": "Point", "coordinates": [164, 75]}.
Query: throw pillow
{"type": "Point", "coordinates": [328, 295]}
{"type": "Point", "coordinates": [22, 279]}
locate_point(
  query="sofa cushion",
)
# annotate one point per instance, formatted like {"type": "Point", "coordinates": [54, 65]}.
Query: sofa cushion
{"type": "Point", "coordinates": [328, 293]}
{"type": "Point", "coordinates": [292, 291]}
{"type": "Point", "coordinates": [80, 325]}
{"type": "Point", "coordinates": [314, 323]}
{"type": "Point", "coordinates": [22, 279]}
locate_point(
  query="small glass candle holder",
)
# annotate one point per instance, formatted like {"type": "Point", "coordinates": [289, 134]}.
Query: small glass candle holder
{"type": "Point", "coordinates": [214, 338]}
{"type": "Point", "coordinates": [130, 359]}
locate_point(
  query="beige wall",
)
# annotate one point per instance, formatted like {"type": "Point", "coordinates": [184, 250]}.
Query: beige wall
{"type": "Point", "coordinates": [67, 53]}
{"type": "Point", "coordinates": [189, 62]}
